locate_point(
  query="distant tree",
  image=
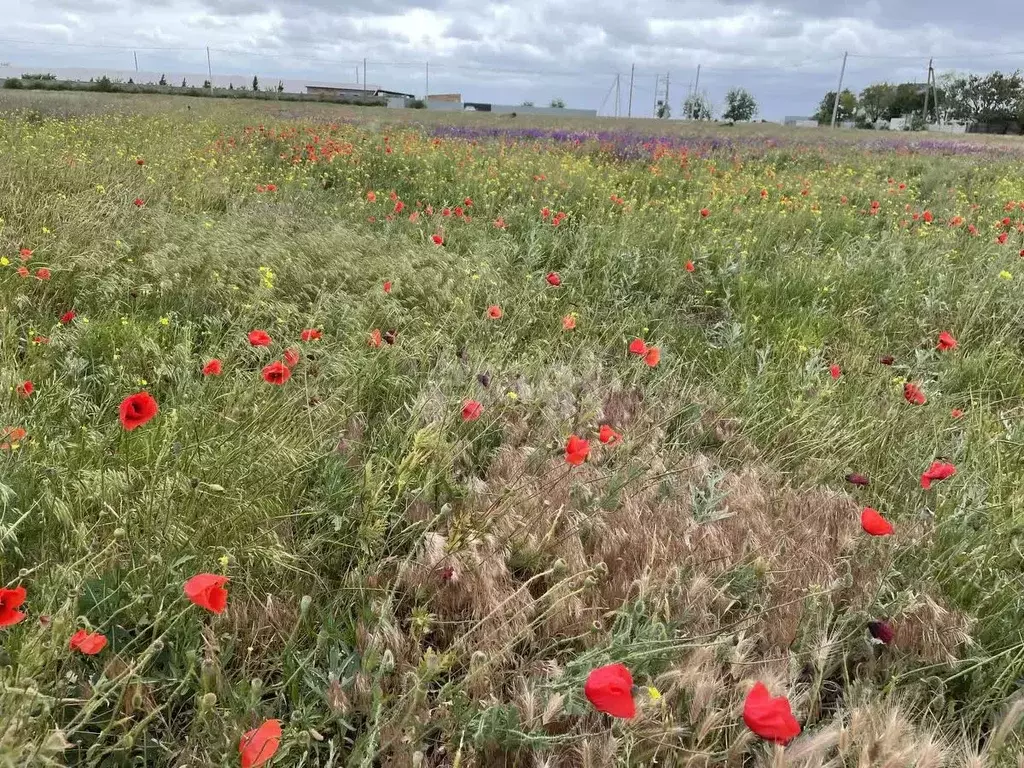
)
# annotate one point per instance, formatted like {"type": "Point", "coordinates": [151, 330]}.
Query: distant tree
{"type": "Point", "coordinates": [280, 87]}
{"type": "Point", "coordinates": [993, 98]}
{"type": "Point", "coordinates": [255, 83]}
{"type": "Point", "coordinates": [739, 105]}
{"type": "Point", "coordinates": [527, 104]}
{"type": "Point", "coordinates": [207, 84]}
{"type": "Point", "coordinates": [183, 83]}
{"type": "Point", "coordinates": [847, 107]}
{"type": "Point", "coordinates": [876, 101]}
{"type": "Point", "coordinates": [163, 80]}
{"type": "Point", "coordinates": [664, 111]}
{"type": "Point", "coordinates": [231, 86]}
{"type": "Point", "coordinates": [558, 103]}
{"type": "Point", "coordinates": [697, 107]}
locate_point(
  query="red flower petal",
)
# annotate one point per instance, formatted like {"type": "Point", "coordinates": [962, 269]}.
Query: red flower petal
{"type": "Point", "coordinates": [610, 690]}
{"type": "Point", "coordinates": [770, 718]}
{"type": "Point", "coordinates": [137, 409]}
{"type": "Point", "coordinates": [874, 524]}
{"type": "Point", "coordinates": [207, 591]}
{"type": "Point", "coordinates": [259, 745]}
{"type": "Point", "coordinates": [471, 410]}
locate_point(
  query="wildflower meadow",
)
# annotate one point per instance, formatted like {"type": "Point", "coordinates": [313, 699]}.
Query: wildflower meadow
{"type": "Point", "coordinates": [344, 438]}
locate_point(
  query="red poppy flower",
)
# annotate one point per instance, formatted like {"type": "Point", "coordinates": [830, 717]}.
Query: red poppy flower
{"type": "Point", "coordinates": [494, 312]}
{"type": "Point", "coordinates": [689, 266]}
{"type": "Point", "coordinates": [10, 601]}
{"type": "Point", "coordinates": [873, 523]}
{"type": "Point", "coordinates": [25, 254]}
{"type": "Point", "coordinates": [25, 389]}
{"type": "Point", "coordinates": [138, 202]}
{"type": "Point", "coordinates": [311, 334]}
{"type": "Point", "coordinates": [291, 357]}
{"type": "Point", "coordinates": [23, 272]}
{"type": "Point", "coordinates": [607, 435]}
{"type": "Point", "coordinates": [468, 202]}
{"type": "Point", "coordinates": [946, 342]}
{"type": "Point", "coordinates": [653, 357]}
{"type": "Point", "coordinates": [576, 450]}
{"type": "Point", "coordinates": [67, 317]}
{"type": "Point", "coordinates": [610, 690]}
{"type": "Point", "coordinates": [12, 436]}
{"type": "Point", "coordinates": [928, 217]}
{"type": "Point", "coordinates": [207, 591]}
{"type": "Point", "coordinates": [887, 360]}
{"type": "Point", "coordinates": [913, 394]}
{"type": "Point", "coordinates": [956, 413]}
{"type": "Point", "coordinates": [458, 211]}
{"type": "Point", "coordinates": [259, 338]}
{"type": "Point", "coordinates": [40, 340]}
{"type": "Point", "coordinates": [843, 200]}
{"type": "Point", "coordinates": [545, 212]}
{"type": "Point", "coordinates": [213, 368]}
{"type": "Point", "coordinates": [568, 323]}
{"type": "Point", "coordinates": [939, 470]}
{"type": "Point", "coordinates": [554, 279]}
{"type": "Point", "coordinates": [374, 339]}
{"type": "Point", "coordinates": [259, 745]}
{"type": "Point", "coordinates": [42, 273]}
{"type": "Point", "coordinates": [637, 347]}
{"type": "Point", "coordinates": [499, 223]}
{"type": "Point", "coordinates": [1002, 238]}
{"type": "Point", "coordinates": [770, 718]}
{"type": "Point", "coordinates": [881, 630]}
{"type": "Point", "coordinates": [277, 373]}
{"type": "Point", "coordinates": [89, 643]}
{"type": "Point", "coordinates": [438, 239]}
{"type": "Point", "coordinates": [835, 371]}
{"type": "Point", "coordinates": [387, 286]}
{"type": "Point", "coordinates": [137, 409]}
{"type": "Point", "coordinates": [704, 213]}
{"type": "Point", "coordinates": [471, 410]}
{"type": "Point", "coordinates": [972, 229]}
{"type": "Point", "coordinates": [140, 161]}
{"type": "Point", "coordinates": [399, 206]}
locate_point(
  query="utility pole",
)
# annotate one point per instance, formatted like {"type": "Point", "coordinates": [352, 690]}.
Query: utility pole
{"type": "Point", "coordinates": [617, 98]}
{"type": "Point", "coordinates": [929, 82]}
{"type": "Point", "coordinates": [364, 76]}
{"type": "Point", "coordinates": [632, 72]}
{"type": "Point", "coordinates": [136, 57]}
{"type": "Point", "coordinates": [209, 66]}
{"type": "Point", "coordinates": [839, 90]}
{"type": "Point", "coordinates": [696, 83]}
{"type": "Point", "coordinates": [657, 85]}
{"type": "Point", "coordinates": [426, 84]}
{"type": "Point", "coordinates": [666, 92]}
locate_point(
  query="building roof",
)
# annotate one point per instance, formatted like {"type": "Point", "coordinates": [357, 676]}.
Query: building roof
{"type": "Point", "coordinates": [345, 87]}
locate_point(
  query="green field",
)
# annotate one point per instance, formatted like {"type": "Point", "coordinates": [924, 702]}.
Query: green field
{"type": "Point", "coordinates": [417, 574]}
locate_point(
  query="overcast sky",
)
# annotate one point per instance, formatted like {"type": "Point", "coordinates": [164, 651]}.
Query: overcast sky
{"type": "Point", "coordinates": [787, 52]}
